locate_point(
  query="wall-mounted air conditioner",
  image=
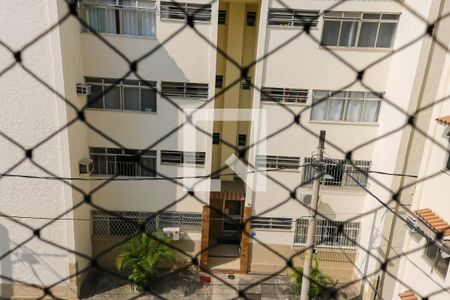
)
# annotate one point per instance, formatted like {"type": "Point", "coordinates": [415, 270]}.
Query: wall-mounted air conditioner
{"type": "Point", "coordinates": [172, 232]}
{"type": "Point", "coordinates": [86, 166]}
{"type": "Point", "coordinates": [83, 89]}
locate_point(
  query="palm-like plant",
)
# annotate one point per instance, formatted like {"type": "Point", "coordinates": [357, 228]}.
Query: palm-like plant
{"type": "Point", "coordinates": [319, 281]}
{"type": "Point", "coordinates": [141, 254]}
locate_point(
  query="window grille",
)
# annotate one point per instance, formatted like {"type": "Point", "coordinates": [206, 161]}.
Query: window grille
{"type": "Point", "coordinates": [132, 17]}
{"type": "Point", "coordinates": [277, 162]}
{"type": "Point", "coordinates": [122, 224]}
{"type": "Point", "coordinates": [271, 223]}
{"type": "Point", "coordinates": [179, 11]}
{"type": "Point", "coordinates": [294, 18]}
{"type": "Point", "coordinates": [222, 17]}
{"type": "Point", "coordinates": [284, 95]}
{"type": "Point", "coordinates": [356, 29]}
{"type": "Point", "coordinates": [126, 95]}
{"type": "Point", "coordinates": [329, 233]}
{"type": "Point", "coordinates": [182, 157]}
{"type": "Point", "coordinates": [219, 81]}
{"type": "Point", "coordinates": [184, 89]}
{"type": "Point", "coordinates": [251, 18]}
{"type": "Point", "coordinates": [339, 172]}
{"type": "Point", "coordinates": [123, 162]}
{"type": "Point", "coordinates": [346, 106]}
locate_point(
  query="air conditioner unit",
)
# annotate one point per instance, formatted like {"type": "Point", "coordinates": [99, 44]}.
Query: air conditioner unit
{"type": "Point", "coordinates": [86, 166]}
{"type": "Point", "coordinates": [83, 89]}
{"type": "Point", "coordinates": [172, 232]}
{"type": "Point", "coordinates": [410, 224]}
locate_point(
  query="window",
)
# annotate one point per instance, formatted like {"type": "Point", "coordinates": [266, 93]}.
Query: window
{"type": "Point", "coordinates": [121, 224]}
{"type": "Point", "coordinates": [126, 17]}
{"type": "Point", "coordinates": [242, 139]}
{"type": "Point", "coordinates": [219, 81]}
{"type": "Point", "coordinates": [222, 17]}
{"type": "Point", "coordinates": [123, 162]}
{"type": "Point", "coordinates": [271, 223]}
{"type": "Point", "coordinates": [355, 29]}
{"type": "Point", "coordinates": [339, 172]}
{"type": "Point", "coordinates": [180, 157]}
{"type": "Point", "coordinates": [245, 84]}
{"type": "Point", "coordinates": [346, 106]}
{"type": "Point", "coordinates": [125, 95]}
{"type": "Point", "coordinates": [440, 264]}
{"type": "Point", "coordinates": [329, 233]}
{"type": "Point", "coordinates": [295, 18]}
{"type": "Point", "coordinates": [179, 11]}
{"type": "Point", "coordinates": [284, 95]}
{"type": "Point", "coordinates": [277, 162]}
{"type": "Point", "coordinates": [216, 138]}
{"type": "Point", "coordinates": [448, 161]}
{"type": "Point", "coordinates": [184, 89]}
{"type": "Point", "coordinates": [251, 18]}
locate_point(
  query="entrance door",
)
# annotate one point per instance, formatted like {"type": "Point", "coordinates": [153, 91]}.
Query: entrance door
{"type": "Point", "coordinates": [232, 210]}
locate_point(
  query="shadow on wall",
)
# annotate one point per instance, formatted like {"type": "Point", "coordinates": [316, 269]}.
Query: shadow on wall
{"type": "Point", "coordinates": [5, 263]}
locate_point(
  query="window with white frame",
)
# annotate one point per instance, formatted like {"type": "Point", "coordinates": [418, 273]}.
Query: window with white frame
{"type": "Point", "coordinates": [125, 17]}
{"type": "Point", "coordinates": [271, 223]}
{"type": "Point", "coordinates": [277, 162]}
{"type": "Point", "coordinates": [346, 106]}
{"type": "Point", "coordinates": [182, 157]}
{"type": "Point", "coordinates": [434, 253]}
{"type": "Point", "coordinates": [292, 17]}
{"type": "Point", "coordinates": [329, 233]}
{"type": "Point", "coordinates": [339, 172]}
{"type": "Point", "coordinates": [284, 95]}
{"type": "Point", "coordinates": [123, 162]}
{"type": "Point", "coordinates": [184, 90]}
{"type": "Point", "coordinates": [180, 11]}
{"type": "Point", "coordinates": [357, 29]}
{"type": "Point", "coordinates": [125, 95]}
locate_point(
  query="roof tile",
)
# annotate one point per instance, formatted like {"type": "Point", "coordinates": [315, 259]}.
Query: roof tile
{"type": "Point", "coordinates": [433, 219]}
{"type": "Point", "coordinates": [408, 295]}
{"type": "Point", "coordinates": [444, 120]}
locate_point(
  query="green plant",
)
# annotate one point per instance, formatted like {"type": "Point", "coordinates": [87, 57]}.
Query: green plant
{"type": "Point", "coordinates": [141, 254]}
{"type": "Point", "coordinates": [319, 281]}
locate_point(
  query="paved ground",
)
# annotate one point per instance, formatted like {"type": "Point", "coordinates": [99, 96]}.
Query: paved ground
{"type": "Point", "coordinates": [101, 286]}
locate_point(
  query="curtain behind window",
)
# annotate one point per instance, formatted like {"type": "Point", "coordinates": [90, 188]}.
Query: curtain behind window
{"type": "Point", "coordinates": [146, 23]}
{"type": "Point", "coordinates": [130, 22]}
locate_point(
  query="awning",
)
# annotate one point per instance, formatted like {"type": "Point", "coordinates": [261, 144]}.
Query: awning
{"type": "Point", "coordinates": [227, 196]}
{"type": "Point", "coordinates": [408, 295]}
{"type": "Point", "coordinates": [436, 225]}
{"type": "Point", "coordinates": [444, 120]}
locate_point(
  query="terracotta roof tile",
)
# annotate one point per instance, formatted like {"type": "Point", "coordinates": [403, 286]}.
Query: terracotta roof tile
{"type": "Point", "coordinates": [408, 295]}
{"type": "Point", "coordinates": [432, 219]}
{"type": "Point", "coordinates": [444, 120]}
{"type": "Point", "coordinates": [227, 196]}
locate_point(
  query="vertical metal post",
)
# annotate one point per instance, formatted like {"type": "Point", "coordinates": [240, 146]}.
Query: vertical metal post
{"type": "Point", "coordinates": [310, 239]}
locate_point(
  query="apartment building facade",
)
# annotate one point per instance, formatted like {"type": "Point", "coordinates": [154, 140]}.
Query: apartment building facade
{"type": "Point", "coordinates": [137, 67]}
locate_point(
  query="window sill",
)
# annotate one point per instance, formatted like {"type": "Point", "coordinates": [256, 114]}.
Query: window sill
{"type": "Point", "coordinates": [180, 165]}
{"type": "Point", "coordinates": [284, 103]}
{"type": "Point", "coordinates": [283, 27]}
{"type": "Point", "coordinates": [374, 124]}
{"type": "Point", "coordinates": [108, 177]}
{"type": "Point", "coordinates": [362, 49]}
{"type": "Point", "coordinates": [123, 111]}
{"type": "Point", "coordinates": [183, 21]}
{"type": "Point", "coordinates": [124, 35]}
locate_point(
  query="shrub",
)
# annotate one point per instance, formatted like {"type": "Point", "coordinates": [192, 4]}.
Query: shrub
{"type": "Point", "coordinates": [141, 254]}
{"type": "Point", "coordinates": [319, 281]}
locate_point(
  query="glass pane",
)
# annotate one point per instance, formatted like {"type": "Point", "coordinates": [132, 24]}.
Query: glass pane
{"type": "Point", "coordinates": [111, 26]}
{"type": "Point", "coordinates": [112, 98]}
{"type": "Point", "coordinates": [370, 113]}
{"type": "Point", "coordinates": [97, 19]}
{"type": "Point", "coordinates": [131, 98]}
{"type": "Point", "coordinates": [147, 23]}
{"type": "Point", "coordinates": [335, 110]}
{"type": "Point", "coordinates": [354, 108]}
{"type": "Point", "coordinates": [368, 34]}
{"type": "Point", "coordinates": [99, 162]}
{"type": "Point", "coordinates": [148, 100]}
{"type": "Point", "coordinates": [386, 35]}
{"type": "Point", "coordinates": [95, 99]}
{"type": "Point", "coordinates": [348, 34]}
{"type": "Point", "coordinates": [319, 110]}
{"type": "Point", "coordinates": [431, 251]}
{"type": "Point", "coordinates": [130, 22]}
{"type": "Point", "coordinates": [148, 166]}
{"type": "Point", "coordinates": [330, 33]}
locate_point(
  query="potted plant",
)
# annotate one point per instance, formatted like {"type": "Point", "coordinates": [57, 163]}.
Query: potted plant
{"type": "Point", "coordinates": [142, 254]}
